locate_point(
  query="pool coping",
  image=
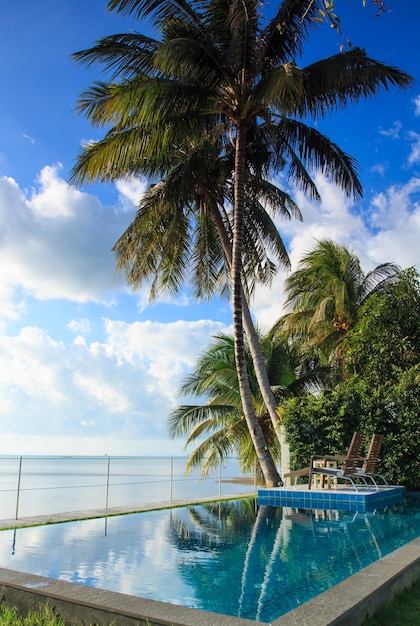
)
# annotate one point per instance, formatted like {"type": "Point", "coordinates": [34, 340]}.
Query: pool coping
{"type": "Point", "coordinates": [345, 604]}
{"type": "Point", "coordinates": [84, 514]}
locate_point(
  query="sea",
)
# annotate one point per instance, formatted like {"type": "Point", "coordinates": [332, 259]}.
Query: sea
{"type": "Point", "coordinates": [42, 485]}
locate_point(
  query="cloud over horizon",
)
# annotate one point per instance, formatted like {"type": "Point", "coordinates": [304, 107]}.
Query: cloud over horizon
{"type": "Point", "coordinates": [118, 375]}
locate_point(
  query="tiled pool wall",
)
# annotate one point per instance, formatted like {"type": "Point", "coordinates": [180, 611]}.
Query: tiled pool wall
{"type": "Point", "coordinates": [331, 499]}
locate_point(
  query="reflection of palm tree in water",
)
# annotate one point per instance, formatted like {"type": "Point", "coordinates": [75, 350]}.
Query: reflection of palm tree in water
{"type": "Point", "coordinates": [282, 539]}
{"type": "Point", "coordinates": [264, 517]}
{"type": "Point", "coordinates": [333, 520]}
{"type": "Point", "coordinates": [221, 531]}
{"type": "Point", "coordinates": [259, 521]}
{"type": "Point", "coordinates": [230, 546]}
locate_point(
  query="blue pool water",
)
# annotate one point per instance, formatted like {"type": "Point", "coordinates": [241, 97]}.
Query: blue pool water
{"type": "Point", "coordinates": [233, 557]}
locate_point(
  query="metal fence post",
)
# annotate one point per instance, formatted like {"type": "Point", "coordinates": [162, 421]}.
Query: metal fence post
{"type": "Point", "coordinates": [171, 474]}
{"type": "Point", "coordinates": [220, 478]}
{"type": "Point", "coordinates": [107, 481]}
{"type": "Point", "coordinates": [255, 476]}
{"type": "Point", "coordinates": [18, 487]}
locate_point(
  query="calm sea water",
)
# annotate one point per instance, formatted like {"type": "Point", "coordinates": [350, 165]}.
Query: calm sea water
{"type": "Point", "coordinates": [57, 484]}
{"type": "Point", "coordinates": [231, 557]}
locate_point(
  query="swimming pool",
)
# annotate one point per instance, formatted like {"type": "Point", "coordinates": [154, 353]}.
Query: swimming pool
{"type": "Point", "coordinates": [233, 558]}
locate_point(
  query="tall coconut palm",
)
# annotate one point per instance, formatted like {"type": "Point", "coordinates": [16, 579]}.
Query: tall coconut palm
{"type": "Point", "coordinates": [172, 238]}
{"type": "Point", "coordinates": [326, 292]}
{"type": "Point", "coordinates": [197, 188]}
{"type": "Point", "coordinates": [218, 425]}
{"type": "Point", "coordinates": [220, 69]}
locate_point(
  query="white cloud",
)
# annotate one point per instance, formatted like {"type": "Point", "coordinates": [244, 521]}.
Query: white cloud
{"type": "Point", "coordinates": [82, 326]}
{"type": "Point", "coordinates": [396, 217]}
{"type": "Point", "coordinates": [386, 229]}
{"type": "Point", "coordinates": [414, 156]}
{"type": "Point", "coordinates": [393, 132]}
{"type": "Point", "coordinates": [380, 168]}
{"type": "Point", "coordinates": [29, 138]}
{"type": "Point", "coordinates": [123, 387]}
{"type": "Point", "coordinates": [131, 191]}
{"type": "Point", "coordinates": [112, 391]}
{"type": "Point", "coordinates": [417, 105]}
{"type": "Point", "coordinates": [103, 392]}
{"type": "Point", "coordinates": [56, 243]}
{"type": "Point", "coordinates": [32, 367]}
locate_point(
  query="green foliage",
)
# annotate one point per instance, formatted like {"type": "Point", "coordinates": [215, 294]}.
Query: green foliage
{"type": "Point", "coordinates": [43, 617]}
{"type": "Point", "coordinates": [386, 339]}
{"type": "Point", "coordinates": [326, 423]}
{"type": "Point", "coordinates": [401, 454]}
{"type": "Point", "coordinates": [381, 393]}
{"type": "Point", "coordinates": [218, 427]}
{"type": "Point", "coordinates": [326, 292]}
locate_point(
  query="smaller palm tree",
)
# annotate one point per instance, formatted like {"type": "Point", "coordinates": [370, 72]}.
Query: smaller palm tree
{"type": "Point", "coordinates": [326, 292]}
{"type": "Point", "coordinates": [218, 425]}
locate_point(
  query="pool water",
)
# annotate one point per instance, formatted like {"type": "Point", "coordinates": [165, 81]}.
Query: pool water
{"type": "Point", "coordinates": [233, 558]}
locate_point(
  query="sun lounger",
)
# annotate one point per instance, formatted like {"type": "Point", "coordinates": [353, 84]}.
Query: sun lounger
{"type": "Point", "coordinates": [346, 466]}
{"type": "Point", "coordinates": [350, 463]}
{"type": "Point", "coordinates": [297, 473]}
{"type": "Point", "coordinates": [369, 465]}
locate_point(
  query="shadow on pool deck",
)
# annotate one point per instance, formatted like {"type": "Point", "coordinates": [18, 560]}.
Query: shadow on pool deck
{"type": "Point", "coordinates": [346, 604]}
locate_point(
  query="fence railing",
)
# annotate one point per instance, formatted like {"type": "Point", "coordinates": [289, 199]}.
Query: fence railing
{"type": "Point", "coordinates": [31, 485]}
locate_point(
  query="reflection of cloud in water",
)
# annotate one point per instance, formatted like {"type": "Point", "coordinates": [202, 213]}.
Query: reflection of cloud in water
{"type": "Point", "coordinates": [109, 554]}
{"type": "Point", "coordinates": [229, 558]}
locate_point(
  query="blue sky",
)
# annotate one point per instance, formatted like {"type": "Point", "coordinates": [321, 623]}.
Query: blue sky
{"type": "Point", "coordinates": [87, 366]}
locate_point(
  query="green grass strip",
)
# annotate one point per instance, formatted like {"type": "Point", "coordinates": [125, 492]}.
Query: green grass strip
{"type": "Point", "coordinates": [404, 610]}
{"type": "Point", "coordinates": [42, 617]}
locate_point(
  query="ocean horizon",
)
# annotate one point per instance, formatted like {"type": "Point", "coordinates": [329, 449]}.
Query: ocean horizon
{"type": "Point", "coordinates": [42, 485]}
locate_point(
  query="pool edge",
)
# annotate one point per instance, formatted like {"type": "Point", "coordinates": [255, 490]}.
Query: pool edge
{"type": "Point", "coordinates": [345, 604]}
{"type": "Point", "coordinates": [362, 594]}
{"type": "Point", "coordinates": [348, 603]}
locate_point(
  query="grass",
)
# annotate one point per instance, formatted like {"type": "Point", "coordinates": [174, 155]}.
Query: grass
{"type": "Point", "coordinates": [43, 617]}
{"type": "Point", "coordinates": [404, 610]}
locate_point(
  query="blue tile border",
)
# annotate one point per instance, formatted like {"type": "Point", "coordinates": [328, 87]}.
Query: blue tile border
{"type": "Point", "coordinates": [331, 499]}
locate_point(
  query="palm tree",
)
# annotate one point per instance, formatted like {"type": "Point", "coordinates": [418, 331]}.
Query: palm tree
{"type": "Point", "coordinates": [219, 425]}
{"type": "Point", "coordinates": [217, 71]}
{"type": "Point", "coordinates": [172, 238]}
{"type": "Point", "coordinates": [196, 190]}
{"type": "Point", "coordinates": [325, 294]}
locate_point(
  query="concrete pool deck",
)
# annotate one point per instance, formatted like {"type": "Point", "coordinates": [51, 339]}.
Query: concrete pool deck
{"type": "Point", "coordinates": [346, 604]}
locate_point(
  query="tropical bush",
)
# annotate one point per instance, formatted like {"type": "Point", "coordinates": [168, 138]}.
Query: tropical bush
{"type": "Point", "coordinates": [326, 423]}
{"type": "Point", "coordinates": [381, 390]}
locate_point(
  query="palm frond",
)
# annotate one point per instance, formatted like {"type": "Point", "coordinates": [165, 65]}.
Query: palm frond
{"type": "Point", "coordinates": [284, 36]}
{"type": "Point", "coordinates": [318, 152]}
{"type": "Point", "coordinates": [124, 55]}
{"type": "Point", "coordinates": [346, 78]}
{"type": "Point", "coordinates": [157, 11]}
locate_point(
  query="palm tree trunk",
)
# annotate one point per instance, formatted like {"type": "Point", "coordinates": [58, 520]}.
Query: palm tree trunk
{"type": "Point", "coordinates": [265, 387]}
{"type": "Point", "coordinates": [268, 467]}
{"type": "Point", "coordinates": [255, 348]}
